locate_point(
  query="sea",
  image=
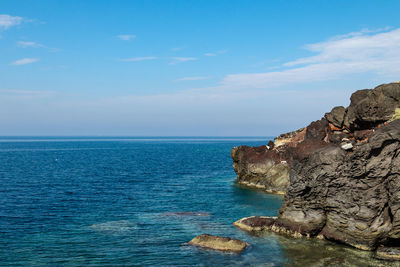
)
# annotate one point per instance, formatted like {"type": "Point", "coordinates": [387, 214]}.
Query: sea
{"type": "Point", "coordinates": [137, 201]}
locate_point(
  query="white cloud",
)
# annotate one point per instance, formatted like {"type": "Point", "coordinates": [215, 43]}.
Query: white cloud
{"type": "Point", "coordinates": [338, 57]}
{"type": "Point", "coordinates": [24, 61]}
{"type": "Point", "coordinates": [299, 100]}
{"type": "Point", "coordinates": [7, 21]}
{"type": "Point", "coordinates": [24, 44]}
{"type": "Point", "coordinates": [215, 53]}
{"type": "Point", "coordinates": [177, 60]}
{"type": "Point", "coordinates": [126, 37]}
{"type": "Point", "coordinates": [179, 48]}
{"type": "Point", "coordinates": [134, 59]}
{"type": "Point", "coordinates": [194, 78]}
{"type": "Point", "coordinates": [26, 93]}
{"type": "Point", "coordinates": [29, 44]}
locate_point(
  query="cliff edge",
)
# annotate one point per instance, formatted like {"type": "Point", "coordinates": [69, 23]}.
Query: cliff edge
{"type": "Point", "coordinates": [268, 166]}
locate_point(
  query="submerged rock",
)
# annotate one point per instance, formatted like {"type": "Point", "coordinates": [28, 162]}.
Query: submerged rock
{"type": "Point", "coordinates": [219, 243]}
{"type": "Point", "coordinates": [115, 227]}
{"type": "Point", "coordinates": [187, 213]}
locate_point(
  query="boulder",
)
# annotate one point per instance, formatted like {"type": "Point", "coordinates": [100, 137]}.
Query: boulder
{"type": "Point", "coordinates": [370, 107]}
{"type": "Point", "coordinates": [336, 116]}
{"type": "Point", "coordinates": [226, 244]}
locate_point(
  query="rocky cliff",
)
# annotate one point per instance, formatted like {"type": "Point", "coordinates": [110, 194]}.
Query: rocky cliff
{"type": "Point", "coordinates": [344, 173]}
{"type": "Point", "coordinates": [268, 166]}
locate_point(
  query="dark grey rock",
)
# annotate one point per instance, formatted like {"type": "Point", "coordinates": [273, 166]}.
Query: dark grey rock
{"type": "Point", "coordinates": [348, 197]}
{"type": "Point", "coordinates": [370, 107]}
{"type": "Point", "coordinates": [336, 116]}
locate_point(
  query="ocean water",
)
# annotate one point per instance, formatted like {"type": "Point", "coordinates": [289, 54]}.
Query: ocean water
{"type": "Point", "coordinates": [136, 202]}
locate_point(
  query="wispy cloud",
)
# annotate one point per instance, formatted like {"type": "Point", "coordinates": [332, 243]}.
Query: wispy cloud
{"type": "Point", "coordinates": [7, 21]}
{"type": "Point", "coordinates": [29, 44]}
{"type": "Point", "coordinates": [177, 60]}
{"type": "Point", "coordinates": [24, 61]}
{"type": "Point", "coordinates": [215, 53]}
{"type": "Point", "coordinates": [134, 59]}
{"type": "Point", "coordinates": [25, 44]}
{"type": "Point", "coordinates": [179, 48]}
{"type": "Point", "coordinates": [126, 37]}
{"type": "Point", "coordinates": [338, 57]}
{"type": "Point", "coordinates": [194, 78]}
{"type": "Point", "coordinates": [26, 93]}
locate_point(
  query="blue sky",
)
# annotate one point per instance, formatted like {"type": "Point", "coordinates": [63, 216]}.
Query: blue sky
{"type": "Point", "coordinates": [216, 68]}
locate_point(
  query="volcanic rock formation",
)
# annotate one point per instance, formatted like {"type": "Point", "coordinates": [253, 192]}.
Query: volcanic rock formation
{"type": "Point", "coordinates": [344, 173]}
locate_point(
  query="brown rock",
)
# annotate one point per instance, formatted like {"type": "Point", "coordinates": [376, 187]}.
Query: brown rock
{"type": "Point", "coordinates": [255, 223]}
{"type": "Point", "coordinates": [226, 244]}
{"type": "Point", "coordinates": [260, 167]}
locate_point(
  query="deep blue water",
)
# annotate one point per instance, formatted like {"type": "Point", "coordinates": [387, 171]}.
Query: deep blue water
{"type": "Point", "coordinates": [128, 202]}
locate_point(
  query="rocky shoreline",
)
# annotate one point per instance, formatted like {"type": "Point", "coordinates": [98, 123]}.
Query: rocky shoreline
{"type": "Point", "coordinates": [340, 175]}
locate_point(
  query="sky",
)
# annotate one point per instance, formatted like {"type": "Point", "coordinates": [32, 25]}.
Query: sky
{"type": "Point", "coordinates": [188, 68]}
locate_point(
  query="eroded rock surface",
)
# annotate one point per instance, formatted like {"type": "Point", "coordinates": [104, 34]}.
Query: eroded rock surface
{"type": "Point", "coordinates": [351, 197]}
{"type": "Point", "coordinates": [345, 173]}
{"type": "Point", "coordinates": [219, 243]}
{"type": "Point", "coordinates": [388, 253]}
{"type": "Point", "coordinates": [260, 167]}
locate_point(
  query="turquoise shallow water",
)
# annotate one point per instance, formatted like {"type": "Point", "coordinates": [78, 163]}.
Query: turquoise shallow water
{"type": "Point", "coordinates": [135, 202]}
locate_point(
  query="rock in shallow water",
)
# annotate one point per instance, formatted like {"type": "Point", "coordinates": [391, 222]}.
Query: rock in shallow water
{"type": "Point", "coordinates": [255, 223]}
{"type": "Point", "coordinates": [226, 244]}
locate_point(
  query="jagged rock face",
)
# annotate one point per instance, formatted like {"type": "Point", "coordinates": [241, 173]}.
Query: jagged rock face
{"type": "Point", "coordinates": [342, 127]}
{"type": "Point", "coordinates": [344, 180]}
{"type": "Point", "coordinates": [351, 197]}
{"type": "Point", "coordinates": [268, 167]}
{"type": "Point", "coordinates": [260, 167]}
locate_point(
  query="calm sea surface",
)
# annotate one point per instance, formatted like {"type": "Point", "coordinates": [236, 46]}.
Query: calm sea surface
{"type": "Point", "coordinates": [135, 202]}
